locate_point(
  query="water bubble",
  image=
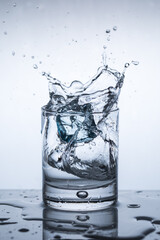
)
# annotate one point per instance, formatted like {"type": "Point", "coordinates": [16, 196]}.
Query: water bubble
{"type": "Point", "coordinates": [108, 30]}
{"type": "Point", "coordinates": [32, 57]}
{"type": "Point", "coordinates": [40, 62]}
{"type": "Point", "coordinates": [82, 194]}
{"type": "Point", "coordinates": [115, 28]}
{"type": "Point", "coordinates": [35, 66]}
{"type": "Point", "coordinates": [5, 33]}
{"type": "Point", "coordinates": [3, 21]}
{"type": "Point", "coordinates": [133, 205]}
{"type": "Point", "coordinates": [23, 55]}
{"type": "Point", "coordinates": [108, 39]}
{"type": "Point", "coordinates": [104, 47]}
{"type": "Point", "coordinates": [23, 230]}
{"type": "Point", "coordinates": [13, 53]}
{"type": "Point", "coordinates": [82, 218]}
{"type": "Point", "coordinates": [135, 63]}
{"type": "Point", "coordinates": [14, 4]}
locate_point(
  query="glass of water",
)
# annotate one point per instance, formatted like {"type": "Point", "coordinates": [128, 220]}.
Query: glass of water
{"type": "Point", "coordinates": [80, 155]}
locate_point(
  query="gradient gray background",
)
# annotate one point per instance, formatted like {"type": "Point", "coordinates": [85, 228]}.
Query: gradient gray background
{"type": "Point", "coordinates": [67, 36]}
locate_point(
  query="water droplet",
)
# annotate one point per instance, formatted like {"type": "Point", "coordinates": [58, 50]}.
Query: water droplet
{"type": "Point", "coordinates": [5, 33]}
{"type": "Point", "coordinates": [13, 53]}
{"type": "Point", "coordinates": [115, 28]}
{"type": "Point", "coordinates": [12, 237]}
{"type": "Point", "coordinates": [82, 194]}
{"type": "Point", "coordinates": [108, 39]}
{"type": "Point", "coordinates": [133, 205]}
{"type": "Point", "coordinates": [126, 65]}
{"type": "Point", "coordinates": [35, 66]}
{"type": "Point", "coordinates": [135, 63]}
{"type": "Point", "coordinates": [3, 21]}
{"type": "Point", "coordinates": [104, 47]}
{"type": "Point", "coordinates": [23, 55]}
{"type": "Point", "coordinates": [14, 4]}
{"type": "Point", "coordinates": [82, 218]}
{"type": "Point", "coordinates": [32, 57]}
{"type": "Point", "coordinates": [108, 30]}
{"type": "Point", "coordinates": [48, 55]}
{"type": "Point", "coordinates": [40, 62]}
{"type": "Point", "coordinates": [23, 230]}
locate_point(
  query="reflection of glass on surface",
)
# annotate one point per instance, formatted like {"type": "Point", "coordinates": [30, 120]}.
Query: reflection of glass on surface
{"type": "Point", "coordinates": [80, 225]}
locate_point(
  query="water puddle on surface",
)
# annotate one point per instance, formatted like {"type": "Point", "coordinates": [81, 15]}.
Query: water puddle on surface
{"type": "Point", "coordinates": [136, 216]}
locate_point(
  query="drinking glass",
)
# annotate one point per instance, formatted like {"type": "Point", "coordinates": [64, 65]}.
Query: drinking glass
{"type": "Point", "coordinates": [80, 156]}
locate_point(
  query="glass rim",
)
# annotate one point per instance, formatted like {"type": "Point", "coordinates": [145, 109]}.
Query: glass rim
{"type": "Point", "coordinates": [72, 113]}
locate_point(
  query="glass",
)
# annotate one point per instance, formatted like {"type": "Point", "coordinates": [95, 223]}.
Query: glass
{"type": "Point", "coordinates": [79, 168]}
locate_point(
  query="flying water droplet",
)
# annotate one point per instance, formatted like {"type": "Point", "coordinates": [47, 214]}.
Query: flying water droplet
{"type": "Point", "coordinates": [135, 63]}
{"type": "Point", "coordinates": [127, 65]}
{"type": "Point", "coordinates": [115, 28]}
{"type": "Point", "coordinates": [35, 66]}
{"type": "Point", "coordinates": [133, 205]}
{"type": "Point", "coordinates": [82, 194]}
{"type": "Point", "coordinates": [108, 30]}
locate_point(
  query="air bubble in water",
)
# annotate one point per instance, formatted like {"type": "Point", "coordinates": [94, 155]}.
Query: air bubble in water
{"type": "Point", "coordinates": [82, 194]}
{"type": "Point", "coordinates": [133, 205]}
{"type": "Point", "coordinates": [35, 66]}
{"type": "Point", "coordinates": [115, 28]}
{"type": "Point", "coordinates": [82, 218]}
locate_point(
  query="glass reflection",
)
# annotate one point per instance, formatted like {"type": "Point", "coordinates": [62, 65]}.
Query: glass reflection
{"type": "Point", "coordinates": [80, 225]}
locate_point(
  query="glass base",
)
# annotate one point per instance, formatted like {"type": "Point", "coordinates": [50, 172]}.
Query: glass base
{"type": "Point", "coordinates": [83, 200]}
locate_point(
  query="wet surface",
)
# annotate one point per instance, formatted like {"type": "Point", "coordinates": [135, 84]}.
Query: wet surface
{"type": "Point", "coordinates": [23, 216]}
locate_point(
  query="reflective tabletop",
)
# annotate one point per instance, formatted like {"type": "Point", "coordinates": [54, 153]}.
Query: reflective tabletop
{"type": "Point", "coordinates": [23, 216]}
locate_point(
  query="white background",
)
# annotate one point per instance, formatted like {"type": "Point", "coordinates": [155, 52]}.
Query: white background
{"type": "Point", "coordinates": [68, 36]}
